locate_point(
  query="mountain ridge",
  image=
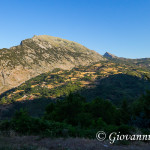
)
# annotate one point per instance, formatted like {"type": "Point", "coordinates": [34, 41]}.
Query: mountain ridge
{"type": "Point", "coordinates": [140, 62]}
{"type": "Point", "coordinates": [41, 54]}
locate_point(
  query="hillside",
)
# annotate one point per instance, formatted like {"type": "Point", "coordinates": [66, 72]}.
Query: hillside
{"type": "Point", "coordinates": [45, 68]}
{"type": "Point", "coordinates": [38, 55]}
{"type": "Point", "coordinates": [104, 79]}
{"type": "Point", "coordinates": [141, 62]}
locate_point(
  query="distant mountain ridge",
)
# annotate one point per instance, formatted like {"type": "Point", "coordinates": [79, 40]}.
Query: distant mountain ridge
{"type": "Point", "coordinates": [41, 54]}
{"type": "Point", "coordinates": [141, 62]}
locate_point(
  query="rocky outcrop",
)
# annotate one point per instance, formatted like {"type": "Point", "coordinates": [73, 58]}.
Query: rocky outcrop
{"type": "Point", "coordinates": [109, 55]}
{"type": "Point", "coordinates": [38, 55]}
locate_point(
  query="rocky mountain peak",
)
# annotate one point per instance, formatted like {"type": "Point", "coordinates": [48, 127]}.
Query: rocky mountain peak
{"type": "Point", "coordinates": [41, 54]}
{"type": "Point", "coordinates": [109, 55]}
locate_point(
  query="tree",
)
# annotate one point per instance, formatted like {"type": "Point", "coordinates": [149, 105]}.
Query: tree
{"type": "Point", "coordinates": [102, 108]}
{"type": "Point", "coordinates": [141, 111]}
{"type": "Point", "coordinates": [67, 110]}
{"type": "Point", "coordinates": [3, 100]}
{"type": "Point", "coordinates": [124, 112]}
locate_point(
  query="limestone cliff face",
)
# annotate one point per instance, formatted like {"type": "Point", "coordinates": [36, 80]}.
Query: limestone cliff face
{"type": "Point", "coordinates": [38, 55]}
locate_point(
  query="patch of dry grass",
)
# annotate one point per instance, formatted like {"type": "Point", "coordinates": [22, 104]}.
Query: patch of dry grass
{"type": "Point", "coordinates": [37, 143]}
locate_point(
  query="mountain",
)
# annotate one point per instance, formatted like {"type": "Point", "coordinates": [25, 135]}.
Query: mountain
{"type": "Point", "coordinates": [38, 55]}
{"type": "Point", "coordinates": [109, 55]}
{"type": "Point", "coordinates": [141, 62]}
{"type": "Point", "coordinates": [49, 68]}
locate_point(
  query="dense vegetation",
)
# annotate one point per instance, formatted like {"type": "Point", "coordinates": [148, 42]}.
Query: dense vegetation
{"type": "Point", "coordinates": [118, 87]}
{"type": "Point", "coordinates": [75, 117]}
{"type": "Point", "coordinates": [108, 96]}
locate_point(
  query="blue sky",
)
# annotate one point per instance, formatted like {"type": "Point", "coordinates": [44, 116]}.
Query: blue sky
{"type": "Point", "coordinates": [121, 27]}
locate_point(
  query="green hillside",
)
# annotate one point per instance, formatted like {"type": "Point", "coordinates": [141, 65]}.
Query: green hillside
{"type": "Point", "coordinates": [107, 79]}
